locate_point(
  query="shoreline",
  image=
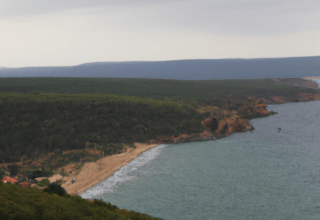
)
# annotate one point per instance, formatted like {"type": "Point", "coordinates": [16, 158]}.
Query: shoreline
{"type": "Point", "coordinates": [93, 173]}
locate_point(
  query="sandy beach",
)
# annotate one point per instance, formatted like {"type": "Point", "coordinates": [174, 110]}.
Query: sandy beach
{"type": "Point", "coordinates": [92, 173]}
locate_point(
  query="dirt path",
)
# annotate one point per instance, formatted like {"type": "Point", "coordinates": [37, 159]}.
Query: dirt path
{"type": "Point", "coordinates": [93, 173]}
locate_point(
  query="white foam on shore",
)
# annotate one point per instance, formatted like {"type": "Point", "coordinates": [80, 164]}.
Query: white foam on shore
{"type": "Point", "coordinates": [124, 174]}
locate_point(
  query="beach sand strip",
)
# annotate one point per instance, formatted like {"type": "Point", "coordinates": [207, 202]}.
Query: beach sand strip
{"type": "Point", "coordinates": [92, 173]}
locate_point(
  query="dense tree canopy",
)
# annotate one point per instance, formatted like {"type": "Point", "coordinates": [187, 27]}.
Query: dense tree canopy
{"type": "Point", "coordinates": [34, 124]}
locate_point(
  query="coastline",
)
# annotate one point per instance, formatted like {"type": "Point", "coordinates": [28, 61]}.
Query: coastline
{"type": "Point", "coordinates": [93, 173]}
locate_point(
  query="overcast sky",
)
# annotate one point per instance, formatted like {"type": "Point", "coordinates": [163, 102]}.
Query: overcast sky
{"type": "Point", "coordinates": [71, 32]}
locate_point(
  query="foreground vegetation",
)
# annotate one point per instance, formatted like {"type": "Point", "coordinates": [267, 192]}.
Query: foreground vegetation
{"type": "Point", "coordinates": [31, 204]}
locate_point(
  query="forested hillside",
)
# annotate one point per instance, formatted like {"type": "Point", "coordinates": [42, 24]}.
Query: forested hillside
{"type": "Point", "coordinates": [201, 90]}
{"type": "Point", "coordinates": [32, 125]}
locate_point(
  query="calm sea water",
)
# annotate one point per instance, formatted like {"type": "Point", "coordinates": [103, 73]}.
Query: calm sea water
{"type": "Point", "coordinates": [260, 175]}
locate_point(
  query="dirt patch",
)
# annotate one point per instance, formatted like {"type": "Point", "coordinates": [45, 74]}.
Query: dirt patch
{"type": "Point", "coordinates": [55, 178]}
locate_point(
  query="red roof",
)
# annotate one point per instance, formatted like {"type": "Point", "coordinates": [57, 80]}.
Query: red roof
{"type": "Point", "coordinates": [9, 179]}
{"type": "Point", "coordinates": [25, 184]}
{"type": "Point", "coordinates": [6, 179]}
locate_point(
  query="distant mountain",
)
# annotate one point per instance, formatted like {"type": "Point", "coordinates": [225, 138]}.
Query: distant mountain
{"type": "Point", "coordinates": [181, 69]}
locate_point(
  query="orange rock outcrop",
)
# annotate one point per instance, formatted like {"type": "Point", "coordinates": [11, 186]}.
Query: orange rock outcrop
{"type": "Point", "coordinates": [259, 109]}
{"type": "Point", "coordinates": [228, 125]}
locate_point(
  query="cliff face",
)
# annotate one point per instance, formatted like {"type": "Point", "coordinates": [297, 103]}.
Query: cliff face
{"type": "Point", "coordinates": [227, 125]}
{"type": "Point", "coordinates": [259, 109]}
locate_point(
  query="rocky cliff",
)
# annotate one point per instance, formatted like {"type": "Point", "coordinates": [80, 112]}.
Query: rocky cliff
{"type": "Point", "coordinates": [258, 109]}
{"type": "Point", "coordinates": [227, 125]}
{"type": "Point", "coordinates": [222, 123]}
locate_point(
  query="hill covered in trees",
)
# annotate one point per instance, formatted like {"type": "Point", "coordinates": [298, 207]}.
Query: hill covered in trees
{"type": "Point", "coordinates": [33, 125]}
{"type": "Point", "coordinates": [199, 90]}
{"type": "Point", "coordinates": [26, 204]}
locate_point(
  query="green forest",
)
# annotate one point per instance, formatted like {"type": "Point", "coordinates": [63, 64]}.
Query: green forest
{"type": "Point", "coordinates": [32, 125]}
{"type": "Point", "coordinates": [199, 90]}
{"type": "Point", "coordinates": [18, 203]}
{"type": "Point", "coordinates": [41, 115]}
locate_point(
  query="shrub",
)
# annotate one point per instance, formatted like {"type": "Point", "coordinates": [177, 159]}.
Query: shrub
{"type": "Point", "coordinates": [14, 169]}
{"type": "Point", "coordinates": [63, 173]}
{"type": "Point", "coordinates": [107, 205]}
{"type": "Point", "coordinates": [41, 173]}
{"type": "Point", "coordinates": [2, 174]}
{"type": "Point", "coordinates": [44, 182]}
{"type": "Point", "coordinates": [55, 188]}
{"type": "Point", "coordinates": [58, 151]}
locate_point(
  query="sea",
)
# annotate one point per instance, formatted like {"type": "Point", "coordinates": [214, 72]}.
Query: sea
{"type": "Point", "coordinates": [264, 175]}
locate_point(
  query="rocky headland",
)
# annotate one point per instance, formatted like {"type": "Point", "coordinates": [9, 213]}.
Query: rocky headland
{"type": "Point", "coordinates": [221, 123]}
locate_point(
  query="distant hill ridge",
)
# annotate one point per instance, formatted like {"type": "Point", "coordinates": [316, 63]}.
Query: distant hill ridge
{"type": "Point", "coordinates": [181, 69]}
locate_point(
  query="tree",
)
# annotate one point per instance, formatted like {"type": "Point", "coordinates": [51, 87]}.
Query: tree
{"type": "Point", "coordinates": [14, 169]}
{"type": "Point", "coordinates": [41, 173]}
{"type": "Point", "coordinates": [2, 174]}
{"type": "Point", "coordinates": [55, 188]}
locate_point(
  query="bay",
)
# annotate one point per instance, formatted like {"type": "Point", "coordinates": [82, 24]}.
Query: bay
{"type": "Point", "coordinates": [266, 174]}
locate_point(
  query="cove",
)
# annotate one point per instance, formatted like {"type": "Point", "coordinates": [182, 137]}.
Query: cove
{"type": "Point", "coordinates": [261, 175]}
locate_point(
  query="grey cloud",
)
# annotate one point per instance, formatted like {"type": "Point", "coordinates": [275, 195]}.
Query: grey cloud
{"type": "Point", "coordinates": [27, 8]}
{"type": "Point", "coordinates": [214, 16]}
{"type": "Point", "coordinates": [16, 8]}
{"type": "Point", "coordinates": [231, 17]}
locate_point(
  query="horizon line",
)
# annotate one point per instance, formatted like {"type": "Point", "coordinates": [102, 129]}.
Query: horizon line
{"type": "Point", "coordinates": [149, 61]}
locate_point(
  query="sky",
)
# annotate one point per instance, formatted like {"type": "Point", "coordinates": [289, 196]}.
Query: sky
{"type": "Point", "coordinates": [72, 32]}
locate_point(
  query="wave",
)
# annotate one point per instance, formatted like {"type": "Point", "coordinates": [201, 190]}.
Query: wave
{"type": "Point", "coordinates": [126, 173]}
